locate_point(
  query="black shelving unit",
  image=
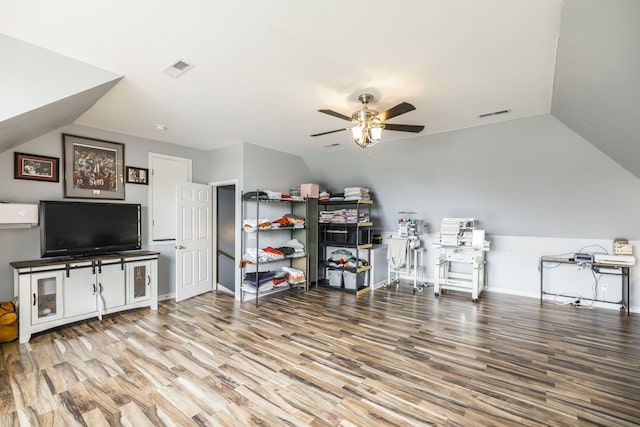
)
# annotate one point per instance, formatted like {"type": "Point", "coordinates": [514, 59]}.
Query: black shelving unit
{"type": "Point", "coordinates": [353, 236]}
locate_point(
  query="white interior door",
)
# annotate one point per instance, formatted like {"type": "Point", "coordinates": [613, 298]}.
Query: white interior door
{"type": "Point", "coordinates": [193, 240]}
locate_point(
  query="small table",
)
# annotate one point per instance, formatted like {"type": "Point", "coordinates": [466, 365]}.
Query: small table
{"type": "Point", "coordinates": [597, 267]}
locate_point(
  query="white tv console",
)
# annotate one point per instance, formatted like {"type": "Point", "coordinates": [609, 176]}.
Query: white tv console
{"type": "Point", "coordinates": [56, 291]}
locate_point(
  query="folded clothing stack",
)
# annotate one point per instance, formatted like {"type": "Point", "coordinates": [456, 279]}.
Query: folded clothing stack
{"type": "Point", "coordinates": [356, 193]}
{"type": "Point", "coordinates": [294, 276]}
{"type": "Point", "coordinates": [251, 224]}
{"type": "Point", "coordinates": [324, 196]}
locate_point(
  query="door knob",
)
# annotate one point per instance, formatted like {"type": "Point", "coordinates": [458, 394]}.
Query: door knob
{"type": "Point", "coordinates": [180, 247]}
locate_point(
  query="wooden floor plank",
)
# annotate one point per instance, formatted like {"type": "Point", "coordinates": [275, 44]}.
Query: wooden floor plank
{"type": "Point", "coordinates": [327, 358]}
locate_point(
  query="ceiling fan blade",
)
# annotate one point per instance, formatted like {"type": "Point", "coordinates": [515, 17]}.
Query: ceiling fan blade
{"type": "Point", "coordinates": [402, 108]}
{"type": "Point", "coordinates": [404, 128]}
{"type": "Point", "coordinates": [334, 114]}
{"type": "Point", "coordinates": [331, 131]}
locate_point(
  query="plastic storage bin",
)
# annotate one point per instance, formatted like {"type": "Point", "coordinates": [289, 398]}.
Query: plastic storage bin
{"type": "Point", "coordinates": [352, 280]}
{"type": "Point", "coordinates": [335, 278]}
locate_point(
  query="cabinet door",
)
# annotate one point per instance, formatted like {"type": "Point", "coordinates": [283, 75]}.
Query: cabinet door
{"type": "Point", "coordinates": [111, 286]}
{"type": "Point", "coordinates": [46, 297]}
{"type": "Point", "coordinates": [80, 292]}
{"type": "Point", "coordinates": [139, 281]}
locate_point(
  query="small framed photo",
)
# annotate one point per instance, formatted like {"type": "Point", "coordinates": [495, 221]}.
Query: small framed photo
{"type": "Point", "coordinates": [137, 175]}
{"type": "Point", "coordinates": [37, 168]}
{"type": "Point", "coordinates": [93, 169]}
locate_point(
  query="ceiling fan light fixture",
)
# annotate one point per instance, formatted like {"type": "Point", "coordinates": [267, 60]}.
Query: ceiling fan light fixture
{"type": "Point", "coordinates": [368, 124]}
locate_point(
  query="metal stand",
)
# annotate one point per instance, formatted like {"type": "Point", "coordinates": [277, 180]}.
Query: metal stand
{"type": "Point", "coordinates": [473, 282]}
{"type": "Point", "coordinates": [413, 266]}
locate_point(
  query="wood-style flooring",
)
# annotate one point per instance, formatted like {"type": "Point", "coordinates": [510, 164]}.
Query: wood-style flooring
{"type": "Point", "coordinates": [327, 358]}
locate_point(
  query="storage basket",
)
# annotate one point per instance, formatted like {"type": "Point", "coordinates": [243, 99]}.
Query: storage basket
{"type": "Point", "coordinates": [352, 280]}
{"type": "Point", "coordinates": [335, 278]}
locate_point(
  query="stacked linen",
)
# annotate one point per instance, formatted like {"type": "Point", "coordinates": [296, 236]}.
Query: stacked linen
{"type": "Point", "coordinates": [324, 196]}
{"type": "Point", "coordinates": [325, 216]}
{"type": "Point", "coordinates": [260, 281]}
{"type": "Point", "coordinates": [280, 280]}
{"type": "Point", "coordinates": [252, 224]}
{"type": "Point", "coordinates": [288, 221]}
{"type": "Point", "coordinates": [295, 220]}
{"type": "Point", "coordinates": [356, 193]}
{"type": "Point", "coordinates": [292, 249]}
{"type": "Point", "coordinates": [351, 216]}
{"type": "Point", "coordinates": [294, 276]}
{"type": "Point", "coordinates": [267, 254]}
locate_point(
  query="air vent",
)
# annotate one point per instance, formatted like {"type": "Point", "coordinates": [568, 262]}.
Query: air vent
{"type": "Point", "coordinates": [495, 113]}
{"type": "Point", "coordinates": [178, 68]}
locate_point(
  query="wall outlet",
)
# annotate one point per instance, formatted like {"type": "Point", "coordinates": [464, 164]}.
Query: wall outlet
{"type": "Point", "coordinates": [605, 287]}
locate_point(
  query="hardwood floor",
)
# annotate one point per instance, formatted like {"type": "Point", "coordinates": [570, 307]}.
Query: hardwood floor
{"type": "Point", "coordinates": [326, 358]}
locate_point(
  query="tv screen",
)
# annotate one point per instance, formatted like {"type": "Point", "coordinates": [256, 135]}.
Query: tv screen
{"type": "Point", "coordinates": [86, 228]}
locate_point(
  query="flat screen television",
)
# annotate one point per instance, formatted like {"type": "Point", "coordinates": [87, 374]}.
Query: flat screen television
{"type": "Point", "coordinates": [88, 228]}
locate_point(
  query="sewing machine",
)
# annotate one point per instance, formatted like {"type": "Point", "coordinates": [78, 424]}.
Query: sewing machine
{"type": "Point", "coordinates": [460, 241]}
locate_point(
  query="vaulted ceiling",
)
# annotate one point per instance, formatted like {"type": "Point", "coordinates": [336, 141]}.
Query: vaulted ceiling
{"type": "Point", "coordinates": [261, 70]}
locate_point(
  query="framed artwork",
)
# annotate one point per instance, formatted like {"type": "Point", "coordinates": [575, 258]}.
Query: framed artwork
{"type": "Point", "coordinates": [35, 167]}
{"type": "Point", "coordinates": [93, 169]}
{"type": "Point", "coordinates": [137, 175]}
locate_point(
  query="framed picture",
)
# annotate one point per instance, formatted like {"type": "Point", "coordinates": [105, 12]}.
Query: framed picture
{"type": "Point", "coordinates": [38, 168]}
{"type": "Point", "coordinates": [137, 175]}
{"type": "Point", "coordinates": [93, 169]}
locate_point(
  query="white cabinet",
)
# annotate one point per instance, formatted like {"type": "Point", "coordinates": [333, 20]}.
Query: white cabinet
{"type": "Point", "coordinates": [139, 281]}
{"type": "Point", "coordinates": [92, 287]}
{"type": "Point", "coordinates": [54, 292]}
{"type": "Point", "coordinates": [44, 295]}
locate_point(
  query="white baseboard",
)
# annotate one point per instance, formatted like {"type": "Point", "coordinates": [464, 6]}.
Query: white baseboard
{"type": "Point", "coordinates": [225, 290]}
{"type": "Point", "coordinates": [163, 297]}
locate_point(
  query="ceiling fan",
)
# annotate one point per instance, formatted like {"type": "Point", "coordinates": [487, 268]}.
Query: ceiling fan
{"type": "Point", "coordinates": [368, 124]}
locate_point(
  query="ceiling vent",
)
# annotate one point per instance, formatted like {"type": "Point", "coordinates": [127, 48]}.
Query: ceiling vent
{"type": "Point", "coordinates": [495, 113]}
{"type": "Point", "coordinates": [178, 68]}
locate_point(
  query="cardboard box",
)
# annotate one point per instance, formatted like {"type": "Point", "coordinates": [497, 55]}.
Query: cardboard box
{"type": "Point", "coordinates": [310, 190]}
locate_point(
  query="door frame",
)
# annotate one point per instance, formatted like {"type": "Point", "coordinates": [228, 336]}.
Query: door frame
{"type": "Point", "coordinates": [238, 235]}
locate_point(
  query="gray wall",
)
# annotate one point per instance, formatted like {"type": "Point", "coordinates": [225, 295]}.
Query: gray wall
{"type": "Point", "coordinates": [24, 244]}
{"type": "Point", "coordinates": [267, 169]}
{"type": "Point", "coordinates": [529, 177]}
{"type": "Point", "coordinates": [537, 188]}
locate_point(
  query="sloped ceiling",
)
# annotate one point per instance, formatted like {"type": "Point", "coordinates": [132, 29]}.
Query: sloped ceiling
{"type": "Point", "coordinates": [263, 69]}
{"type": "Point", "coordinates": [597, 83]}
{"type": "Point", "coordinates": [42, 90]}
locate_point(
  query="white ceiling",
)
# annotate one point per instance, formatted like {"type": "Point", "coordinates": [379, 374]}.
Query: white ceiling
{"type": "Point", "coordinates": [263, 68]}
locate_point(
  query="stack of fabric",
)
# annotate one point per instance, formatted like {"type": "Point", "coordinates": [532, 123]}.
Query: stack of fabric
{"type": "Point", "coordinates": [337, 197]}
{"type": "Point", "coordinates": [351, 216]}
{"type": "Point", "coordinates": [324, 196]}
{"type": "Point", "coordinates": [280, 280]}
{"type": "Point", "coordinates": [356, 193]}
{"type": "Point", "coordinates": [325, 217]}
{"type": "Point", "coordinates": [294, 276]}
{"type": "Point", "coordinates": [292, 249]}
{"type": "Point", "coordinates": [343, 258]}
{"type": "Point", "coordinates": [252, 224]}
{"type": "Point", "coordinates": [260, 281]}
{"type": "Point", "coordinates": [253, 255]}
